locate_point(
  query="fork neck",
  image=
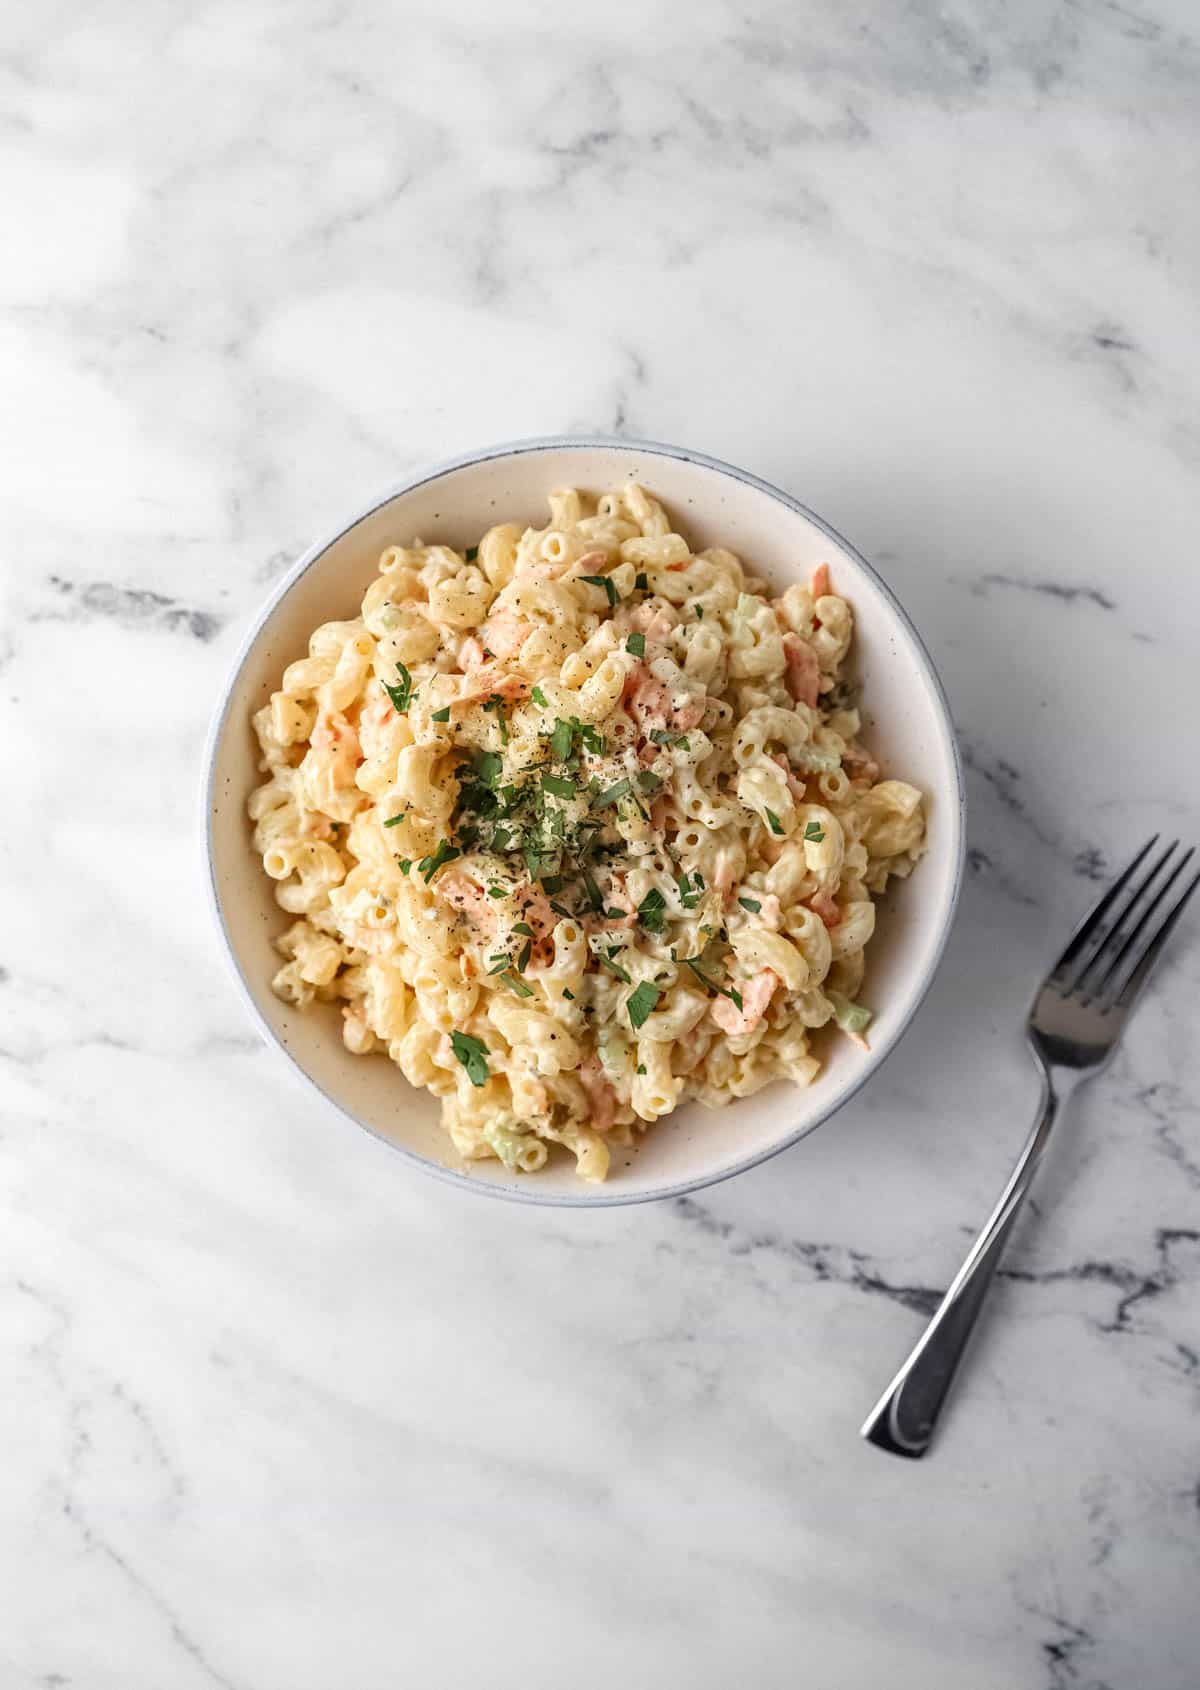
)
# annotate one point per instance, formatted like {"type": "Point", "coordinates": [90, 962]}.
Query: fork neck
{"type": "Point", "coordinates": [1058, 1080]}
{"type": "Point", "coordinates": [1058, 1083]}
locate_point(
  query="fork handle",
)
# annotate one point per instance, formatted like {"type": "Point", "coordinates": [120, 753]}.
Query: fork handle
{"type": "Point", "coordinates": [904, 1419]}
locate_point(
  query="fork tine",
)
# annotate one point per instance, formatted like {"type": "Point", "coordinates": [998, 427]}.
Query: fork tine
{"type": "Point", "coordinates": [1143, 927]}
{"type": "Point", "coordinates": [1132, 988]}
{"type": "Point", "coordinates": [1111, 937]}
{"type": "Point", "coordinates": [1092, 920]}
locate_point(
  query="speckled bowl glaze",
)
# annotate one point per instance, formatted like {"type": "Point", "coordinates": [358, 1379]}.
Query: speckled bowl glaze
{"type": "Point", "coordinates": [907, 724]}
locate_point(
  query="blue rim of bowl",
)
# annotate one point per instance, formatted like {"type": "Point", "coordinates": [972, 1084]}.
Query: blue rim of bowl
{"type": "Point", "coordinates": [603, 1197]}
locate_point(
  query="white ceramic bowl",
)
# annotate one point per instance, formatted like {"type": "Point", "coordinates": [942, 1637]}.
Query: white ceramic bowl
{"type": "Point", "coordinates": [907, 724]}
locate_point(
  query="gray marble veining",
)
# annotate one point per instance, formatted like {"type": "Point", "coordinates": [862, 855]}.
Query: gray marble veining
{"type": "Point", "coordinates": [274, 1411]}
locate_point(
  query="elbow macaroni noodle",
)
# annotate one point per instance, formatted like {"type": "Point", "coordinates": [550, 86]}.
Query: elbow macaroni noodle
{"type": "Point", "coordinates": [571, 826]}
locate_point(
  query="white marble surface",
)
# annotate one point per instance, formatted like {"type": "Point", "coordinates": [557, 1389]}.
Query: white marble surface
{"type": "Point", "coordinates": [277, 1413]}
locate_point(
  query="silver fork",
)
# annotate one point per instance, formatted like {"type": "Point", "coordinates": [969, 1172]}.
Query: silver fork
{"type": "Point", "coordinates": [1073, 1028]}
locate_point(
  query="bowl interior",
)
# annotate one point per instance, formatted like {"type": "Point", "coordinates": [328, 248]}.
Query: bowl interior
{"type": "Point", "coordinates": [905, 724]}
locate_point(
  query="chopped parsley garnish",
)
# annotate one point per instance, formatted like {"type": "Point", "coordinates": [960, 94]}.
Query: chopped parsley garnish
{"type": "Point", "coordinates": [612, 794]}
{"type": "Point", "coordinates": [773, 820]}
{"type": "Point", "coordinates": [652, 911]}
{"type": "Point", "coordinates": [526, 810]}
{"type": "Point", "coordinates": [699, 613]}
{"type": "Point", "coordinates": [488, 766]}
{"type": "Point", "coordinates": [394, 821]}
{"type": "Point", "coordinates": [636, 643]}
{"type": "Point", "coordinates": [614, 914]}
{"type": "Point", "coordinates": [496, 703]}
{"type": "Point", "coordinates": [613, 968]}
{"type": "Point", "coordinates": [751, 904]}
{"type": "Point", "coordinates": [815, 832]}
{"type": "Point", "coordinates": [592, 893]}
{"type": "Point", "coordinates": [568, 994]}
{"type": "Point", "coordinates": [641, 1067]}
{"type": "Point", "coordinates": [405, 864]}
{"type": "Point", "coordinates": [565, 734]}
{"type": "Point", "coordinates": [495, 892]}
{"type": "Point", "coordinates": [699, 969]}
{"type": "Point", "coordinates": [402, 693]}
{"type": "Point", "coordinates": [641, 583]}
{"type": "Point", "coordinates": [660, 736]}
{"type": "Point", "coordinates": [525, 953]}
{"type": "Point", "coordinates": [473, 1055]}
{"type": "Point", "coordinates": [552, 883]}
{"type": "Point", "coordinates": [442, 715]}
{"type": "Point", "coordinates": [524, 928]}
{"type": "Point", "coordinates": [640, 1004]}
{"type": "Point", "coordinates": [649, 781]}
{"type": "Point", "coordinates": [539, 697]}
{"type": "Point", "coordinates": [445, 853]}
{"type": "Point", "coordinates": [516, 985]}
{"type": "Point", "coordinates": [689, 895]}
{"type": "Point", "coordinates": [605, 581]}
{"type": "Point", "coordinates": [477, 784]}
{"type": "Point", "coordinates": [471, 553]}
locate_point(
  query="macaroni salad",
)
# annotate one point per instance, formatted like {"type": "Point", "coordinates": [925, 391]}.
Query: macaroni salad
{"type": "Point", "coordinates": [577, 824]}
